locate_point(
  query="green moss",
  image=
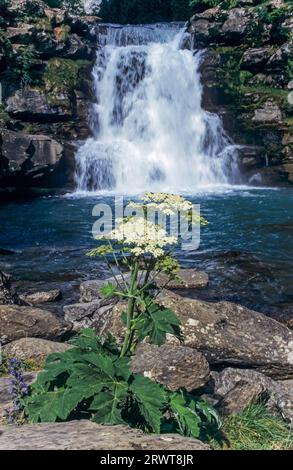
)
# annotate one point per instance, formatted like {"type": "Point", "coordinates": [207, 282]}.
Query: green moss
{"type": "Point", "coordinates": [254, 429]}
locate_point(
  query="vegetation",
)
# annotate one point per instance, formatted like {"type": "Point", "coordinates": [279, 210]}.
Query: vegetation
{"type": "Point", "coordinates": [94, 379]}
{"type": "Point", "coordinates": [254, 429]}
{"type": "Point", "coordinates": [28, 365]}
{"type": "Point", "coordinates": [64, 74]}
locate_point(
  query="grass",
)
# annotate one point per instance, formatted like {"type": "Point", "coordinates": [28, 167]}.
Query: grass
{"type": "Point", "coordinates": [255, 429]}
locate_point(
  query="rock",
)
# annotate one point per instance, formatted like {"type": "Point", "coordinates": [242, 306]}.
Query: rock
{"type": "Point", "coordinates": [236, 25]}
{"type": "Point", "coordinates": [5, 396]}
{"type": "Point", "coordinates": [85, 435]}
{"type": "Point", "coordinates": [189, 279]}
{"type": "Point", "coordinates": [279, 394]}
{"type": "Point", "coordinates": [23, 322]}
{"type": "Point", "coordinates": [228, 334]}
{"type": "Point", "coordinates": [77, 49]}
{"type": "Point", "coordinates": [172, 366]}
{"type": "Point", "coordinates": [37, 161]}
{"type": "Point", "coordinates": [7, 295]}
{"type": "Point", "coordinates": [35, 349]}
{"type": "Point", "coordinates": [270, 112]}
{"type": "Point", "coordinates": [32, 104]}
{"type": "Point", "coordinates": [43, 297]}
{"type": "Point", "coordinates": [90, 315]}
{"type": "Point", "coordinates": [242, 396]}
{"type": "Point", "coordinates": [254, 59]}
{"type": "Point", "coordinates": [22, 34]}
{"type": "Point", "coordinates": [27, 7]}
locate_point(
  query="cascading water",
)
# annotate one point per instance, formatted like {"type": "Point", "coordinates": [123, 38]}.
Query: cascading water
{"type": "Point", "coordinates": [149, 129]}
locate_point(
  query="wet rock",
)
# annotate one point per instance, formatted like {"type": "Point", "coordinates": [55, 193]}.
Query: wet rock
{"type": "Point", "coordinates": [35, 349]}
{"type": "Point", "coordinates": [22, 34]}
{"type": "Point", "coordinates": [43, 297]}
{"type": "Point", "coordinates": [85, 435]}
{"type": "Point", "coordinates": [90, 315]}
{"type": "Point", "coordinates": [23, 322]}
{"type": "Point", "coordinates": [90, 290]}
{"type": "Point", "coordinates": [278, 394]}
{"type": "Point", "coordinates": [7, 294]}
{"type": "Point", "coordinates": [240, 397]}
{"type": "Point", "coordinates": [172, 366]}
{"type": "Point", "coordinates": [254, 59]}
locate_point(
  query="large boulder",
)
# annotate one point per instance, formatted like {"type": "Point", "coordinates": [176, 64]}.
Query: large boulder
{"type": "Point", "coordinates": [246, 385]}
{"type": "Point", "coordinates": [34, 349]}
{"type": "Point", "coordinates": [8, 296]}
{"type": "Point", "coordinates": [28, 322]}
{"type": "Point", "coordinates": [228, 334]}
{"type": "Point", "coordinates": [85, 435]}
{"type": "Point", "coordinates": [174, 367]}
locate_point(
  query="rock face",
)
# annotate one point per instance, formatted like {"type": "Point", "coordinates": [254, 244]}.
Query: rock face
{"type": "Point", "coordinates": [27, 322]}
{"type": "Point", "coordinates": [247, 69]}
{"type": "Point", "coordinates": [172, 366]}
{"type": "Point", "coordinates": [240, 386]}
{"type": "Point", "coordinates": [240, 397]}
{"type": "Point", "coordinates": [84, 435]}
{"type": "Point", "coordinates": [35, 349]}
{"type": "Point", "coordinates": [228, 334]}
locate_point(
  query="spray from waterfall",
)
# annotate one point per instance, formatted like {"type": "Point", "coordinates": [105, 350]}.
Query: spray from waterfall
{"type": "Point", "coordinates": [149, 129]}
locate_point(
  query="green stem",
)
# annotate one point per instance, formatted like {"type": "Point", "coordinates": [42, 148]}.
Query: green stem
{"type": "Point", "coordinates": [130, 311]}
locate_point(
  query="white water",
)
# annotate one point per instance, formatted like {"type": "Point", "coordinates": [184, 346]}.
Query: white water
{"type": "Point", "coordinates": [149, 129]}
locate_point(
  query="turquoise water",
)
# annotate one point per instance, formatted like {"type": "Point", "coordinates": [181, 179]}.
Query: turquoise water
{"type": "Point", "coordinates": [246, 248]}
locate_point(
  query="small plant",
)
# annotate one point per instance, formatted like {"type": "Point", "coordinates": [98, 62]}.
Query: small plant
{"type": "Point", "coordinates": [94, 379]}
{"type": "Point", "coordinates": [18, 390]}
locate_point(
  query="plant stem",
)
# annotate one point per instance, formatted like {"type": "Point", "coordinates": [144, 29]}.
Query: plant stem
{"type": "Point", "coordinates": [130, 310]}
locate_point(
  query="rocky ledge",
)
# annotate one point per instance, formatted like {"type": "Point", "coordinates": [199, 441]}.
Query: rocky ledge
{"type": "Point", "coordinates": [248, 78]}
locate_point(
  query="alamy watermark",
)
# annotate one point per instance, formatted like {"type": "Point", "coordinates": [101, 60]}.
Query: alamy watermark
{"type": "Point", "coordinates": [185, 226]}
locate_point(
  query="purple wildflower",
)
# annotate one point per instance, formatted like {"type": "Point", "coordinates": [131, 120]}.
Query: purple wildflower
{"type": "Point", "coordinates": [18, 389]}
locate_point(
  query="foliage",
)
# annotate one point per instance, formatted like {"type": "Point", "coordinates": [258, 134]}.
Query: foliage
{"type": "Point", "coordinates": [255, 429]}
{"type": "Point", "coordinates": [75, 6]}
{"type": "Point", "coordinates": [93, 381]}
{"type": "Point", "coordinates": [28, 365]}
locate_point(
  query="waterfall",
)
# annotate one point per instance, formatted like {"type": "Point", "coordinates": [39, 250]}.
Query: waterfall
{"type": "Point", "coordinates": [149, 129]}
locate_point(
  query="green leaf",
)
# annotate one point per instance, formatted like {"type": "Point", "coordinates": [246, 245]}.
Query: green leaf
{"type": "Point", "coordinates": [87, 341]}
{"type": "Point", "coordinates": [187, 418]}
{"type": "Point", "coordinates": [151, 400]}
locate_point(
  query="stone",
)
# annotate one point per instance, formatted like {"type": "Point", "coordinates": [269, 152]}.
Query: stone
{"type": "Point", "coordinates": [278, 394]}
{"type": "Point", "coordinates": [188, 279]}
{"type": "Point", "coordinates": [254, 59]}
{"type": "Point", "coordinates": [236, 25]}
{"type": "Point", "coordinates": [37, 298]}
{"type": "Point", "coordinates": [32, 104]}
{"type": "Point", "coordinates": [270, 112]}
{"type": "Point", "coordinates": [90, 290]}
{"type": "Point", "coordinates": [22, 34]}
{"type": "Point", "coordinates": [174, 367]}
{"type": "Point", "coordinates": [227, 334]}
{"type": "Point", "coordinates": [7, 295]}
{"type": "Point", "coordinates": [85, 435]}
{"type": "Point", "coordinates": [5, 396]}
{"type": "Point", "coordinates": [27, 7]}
{"type": "Point", "coordinates": [34, 349]}
{"type": "Point", "coordinates": [89, 315]}
{"type": "Point", "coordinates": [240, 397]}
{"type": "Point", "coordinates": [28, 322]}
{"type": "Point", "coordinates": [77, 49]}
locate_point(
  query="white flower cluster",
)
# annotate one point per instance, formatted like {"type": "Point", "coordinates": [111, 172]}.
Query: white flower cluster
{"type": "Point", "coordinates": [143, 237]}
{"type": "Point", "coordinates": [168, 204]}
